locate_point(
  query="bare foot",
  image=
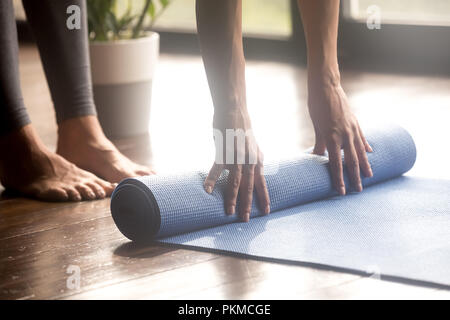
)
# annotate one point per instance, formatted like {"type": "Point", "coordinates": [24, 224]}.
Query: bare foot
{"type": "Point", "coordinates": [28, 167]}
{"type": "Point", "coordinates": [82, 141]}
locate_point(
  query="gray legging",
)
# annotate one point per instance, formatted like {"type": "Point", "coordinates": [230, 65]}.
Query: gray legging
{"type": "Point", "coordinates": [64, 54]}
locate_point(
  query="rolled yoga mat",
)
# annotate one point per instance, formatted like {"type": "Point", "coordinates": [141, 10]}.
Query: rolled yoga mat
{"type": "Point", "coordinates": [398, 226]}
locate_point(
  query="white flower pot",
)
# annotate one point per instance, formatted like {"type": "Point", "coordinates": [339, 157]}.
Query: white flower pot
{"type": "Point", "coordinates": [122, 74]}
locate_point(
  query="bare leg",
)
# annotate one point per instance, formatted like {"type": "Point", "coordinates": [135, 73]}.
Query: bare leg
{"type": "Point", "coordinates": [81, 140]}
{"type": "Point", "coordinates": [26, 165]}
{"type": "Point", "coordinates": [65, 57]}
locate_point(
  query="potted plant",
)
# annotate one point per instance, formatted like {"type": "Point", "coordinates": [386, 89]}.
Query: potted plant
{"type": "Point", "coordinates": [123, 60]}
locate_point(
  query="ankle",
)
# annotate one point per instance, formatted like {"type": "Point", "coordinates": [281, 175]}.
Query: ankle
{"type": "Point", "coordinates": [24, 148]}
{"type": "Point", "coordinates": [24, 139]}
{"type": "Point", "coordinates": [85, 129]}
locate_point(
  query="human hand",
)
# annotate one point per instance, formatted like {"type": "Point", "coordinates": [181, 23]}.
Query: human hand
{"type": "Point", "coordinates": [237, 151]}
{"type": "Point", "coordinates": [336, 127]}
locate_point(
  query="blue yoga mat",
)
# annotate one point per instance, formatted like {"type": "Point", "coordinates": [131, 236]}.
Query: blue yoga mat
{"type": "Point", "coordinates": [399, 226]}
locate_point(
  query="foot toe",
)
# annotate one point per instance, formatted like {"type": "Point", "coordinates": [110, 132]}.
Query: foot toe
{"type": "Point", "coordinates": [45, 192]}
{"type": "Point", "coordinates": [86, 192]}
{"type": "Point", "coordinates": [74, 195]}
{"type": "Point", "coordinates": [100, 193]}
{"type": "Point", "coordinates": [143, 171]}
{"type": "Point", "coordinates": [53, 194]}
{"type": "Point", "coordinates": [107, 186]}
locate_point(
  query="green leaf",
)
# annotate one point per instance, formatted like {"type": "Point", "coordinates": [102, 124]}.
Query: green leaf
{"type": "Point", "coordinates": [164, 3]}
{"type": "Point", "coordinates": [104, 19]}
{"type": "Point", "coordinates": [151, 10]}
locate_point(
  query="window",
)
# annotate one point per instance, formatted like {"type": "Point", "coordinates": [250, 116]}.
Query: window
{"type": "Point", "coordinates": [410, 12]}
{"type": "Point", "coordinates": [261, 18]}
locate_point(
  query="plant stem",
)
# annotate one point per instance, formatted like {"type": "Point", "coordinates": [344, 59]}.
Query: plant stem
{"type": "Point", "coordinates": [138, 26]}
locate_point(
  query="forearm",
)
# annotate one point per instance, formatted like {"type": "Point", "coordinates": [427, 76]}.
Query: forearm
{"type": "Point", "coordinates": [335, 125]}
{"type": "Point", "coordinates": [320, 22]}
{"type": "Point", "coordinates": [219, 25]}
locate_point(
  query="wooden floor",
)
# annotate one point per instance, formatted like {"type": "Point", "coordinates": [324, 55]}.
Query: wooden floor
{"type": "Point", "coordinates": [40, 242]}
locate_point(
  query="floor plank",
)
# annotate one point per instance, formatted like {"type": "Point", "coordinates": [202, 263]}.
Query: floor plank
{"type": "Point", "coordinates": [223, 278]}
{"type": "Point", "coordinates": [31, 216]}
{"type": "Point", "coordinates": [36, 264]}
{"type": "Point", "coordinates": [39, 240]}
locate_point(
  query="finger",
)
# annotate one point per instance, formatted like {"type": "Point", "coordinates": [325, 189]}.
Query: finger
{"type": "Point", "coordinates": [320, 145]}
{"type": "Point", "coordinates": [252, 151]}
{"type": "Point", "coordinates": [85, 192]}
{"type": "Point", "coordinates": [246, 192]}
{"type": "Point", "coordinates": [261, 189]}
{"type": "Point", "coordinates": [212, 177]}
{"type": "Point", "coordinates": [233, 189]}
{"type": "Point", "coordinates": [364, 141]}
{"type": "Point", "coordinates": [336, 169]}
{"type": "Point", "coordinates": [352, 165]}
{"type": "Point", "coordinates": [362, 157]}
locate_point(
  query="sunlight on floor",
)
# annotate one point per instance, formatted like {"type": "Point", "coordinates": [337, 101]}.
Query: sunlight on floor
{"type": "Point", "coordinates": [181, 118]}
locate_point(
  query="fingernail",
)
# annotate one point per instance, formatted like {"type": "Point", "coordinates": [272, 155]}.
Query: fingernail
{"type": "Point", "coordinates": [246, 217]}
{"type": "Point", "coordinates": [231, 209]}
{"type": "Point", "coordinates": [102, 193]}
{"type": "Point", "coordinates": [370, 173]}
{"type": "Point", "coordinates": [267, 210]}
{"type": "Point", "coordinates": [77, 198]}
{"type": "Point", "coordinates": [91, 195]}
{"type": "Point", "coordinates": [114, 185]}
{"type": "Point", "coordinates": [370, 148]}
{"type": "Point", "coordinates": [342, 190]}
{"type": "Point", "coordinates": [360, 188]}
{"type": "Point", "coordinates": [208, 189]}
